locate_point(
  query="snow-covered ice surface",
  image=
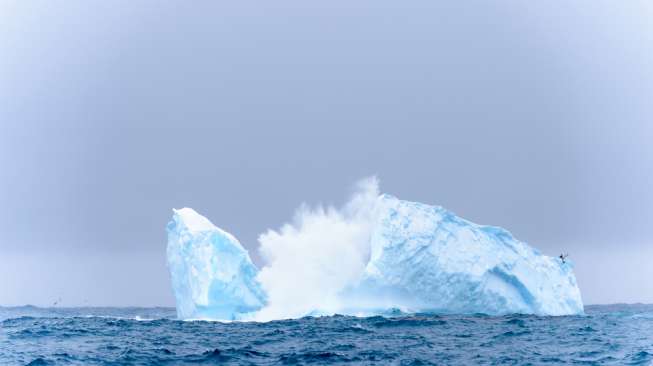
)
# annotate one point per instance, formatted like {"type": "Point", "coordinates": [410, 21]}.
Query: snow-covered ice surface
{"type": "Point", "coordinates": [379, 254]}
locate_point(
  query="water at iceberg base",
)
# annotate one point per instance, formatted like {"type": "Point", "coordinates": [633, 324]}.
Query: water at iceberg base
{"type": "Point", "coordinates": [605, 335]}
{"type": "Point", "coordinates": [376, 255]}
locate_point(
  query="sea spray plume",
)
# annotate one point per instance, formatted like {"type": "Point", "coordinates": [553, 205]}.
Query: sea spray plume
{"type": "Point", "coordinates": [312, 260]}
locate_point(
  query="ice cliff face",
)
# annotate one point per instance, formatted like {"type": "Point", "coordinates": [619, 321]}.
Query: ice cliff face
{"type": "Point", "coordinates": [426, 258]}
{"type": "Point", "coordinates": [421, 258]}
{"type": "Point", "coordinates": [212, 275]}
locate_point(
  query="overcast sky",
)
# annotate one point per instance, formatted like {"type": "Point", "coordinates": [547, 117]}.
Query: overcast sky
{"type": "Point", "coordinates": [534, 116]}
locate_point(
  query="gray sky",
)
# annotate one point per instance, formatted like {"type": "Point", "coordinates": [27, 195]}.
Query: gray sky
{"type": "Point", "coordinates": [537, 117]}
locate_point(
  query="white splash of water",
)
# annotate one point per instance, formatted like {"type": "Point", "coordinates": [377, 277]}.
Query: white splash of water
{"type": "Point", "coordinates": [310, 261]}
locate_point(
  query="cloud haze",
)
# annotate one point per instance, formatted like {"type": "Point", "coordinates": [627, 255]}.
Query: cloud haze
{"type": "Point", "coordinates": [531, 116]}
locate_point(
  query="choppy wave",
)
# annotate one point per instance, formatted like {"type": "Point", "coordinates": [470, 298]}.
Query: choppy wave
{"type": "Point", "coordinates": [615, 335]}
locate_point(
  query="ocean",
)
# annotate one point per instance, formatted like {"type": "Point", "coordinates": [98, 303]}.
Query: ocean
{"type": "Point", "coordinates": [605, 335]}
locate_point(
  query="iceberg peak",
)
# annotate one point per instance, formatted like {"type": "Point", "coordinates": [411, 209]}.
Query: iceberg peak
{"type": "Point", "coordinates": [192, 220]}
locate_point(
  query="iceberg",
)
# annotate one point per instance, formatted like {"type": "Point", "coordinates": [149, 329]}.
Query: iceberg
{"type": "Point", "coordinates": [406, 255]}
{"type": "Point", "coordinates": [428, 259]}
{"type": "Point", "coordinates": [212, 274]}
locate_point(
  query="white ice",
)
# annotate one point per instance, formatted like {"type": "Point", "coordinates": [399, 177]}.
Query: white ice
{"type": "Point", "coordinates": [376, 253]}
{"type": "Point", "coordinates": [212, 275]}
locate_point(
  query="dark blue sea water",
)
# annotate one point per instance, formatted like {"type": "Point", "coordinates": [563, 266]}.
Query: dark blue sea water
{"type": "Point", "coordinates": [606, 335]}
